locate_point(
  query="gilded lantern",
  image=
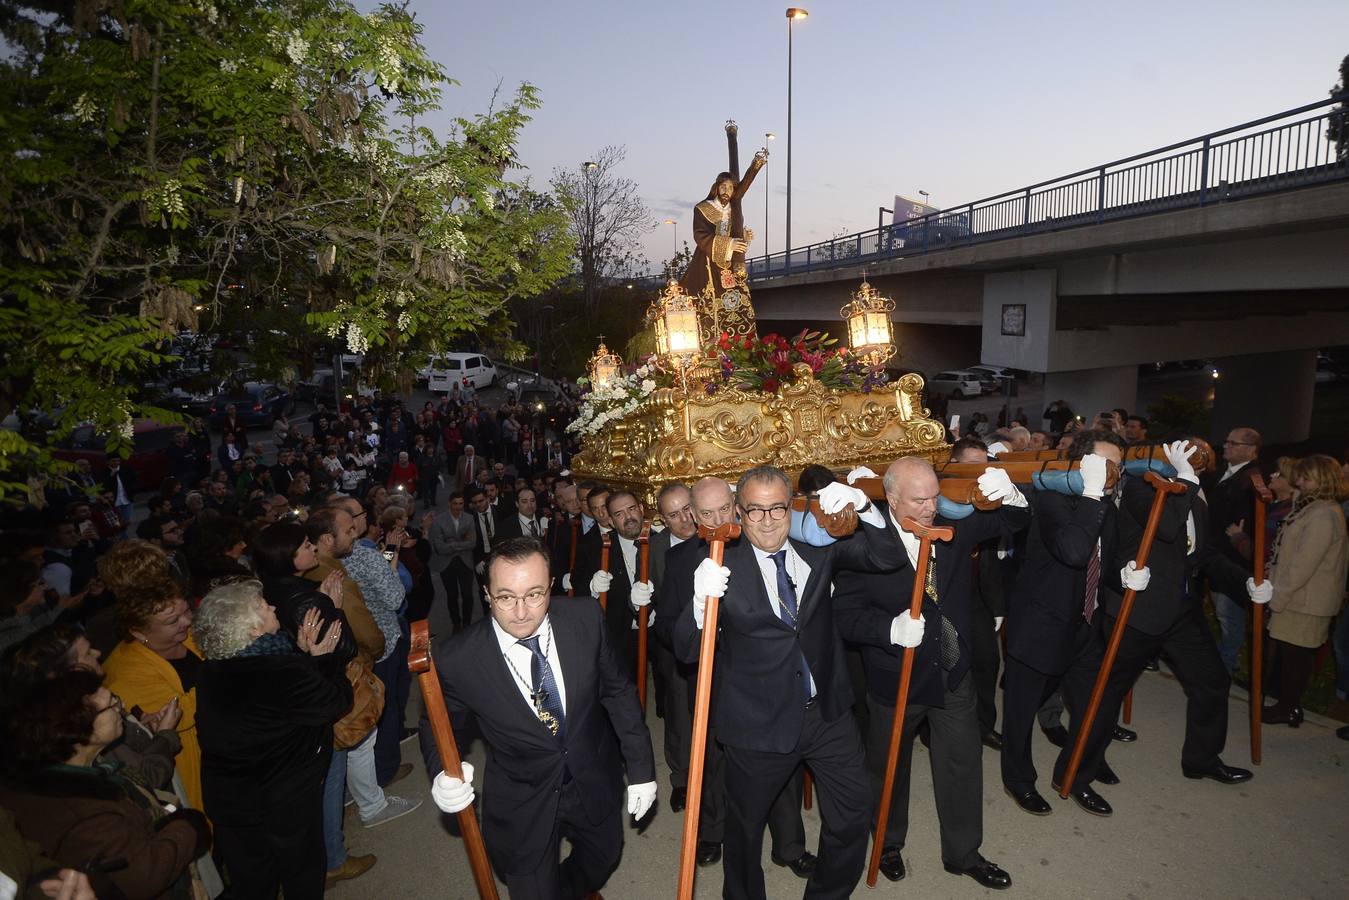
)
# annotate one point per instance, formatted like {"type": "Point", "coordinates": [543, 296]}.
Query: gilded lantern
{"type": "Point", "coordinates": [870, 332]}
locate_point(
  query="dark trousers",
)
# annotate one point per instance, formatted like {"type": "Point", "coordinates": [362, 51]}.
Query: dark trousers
{"type": "Point", "coordinates": [393, 671]}
{"type": "Point", "coordinates": [288, 856]}
{"type": "Point", "coordinates": [678, 721]}
{"type": "Point", "coordinates": [833, 750]}
{"type": "Point", "coordinates": [957, 770]}
{"type": "Point", "coordinates": [786, 830]}
{"type": "Point", "coordinates": [1193, 656]}
{"type": "Point", "coordinates": [985, 663]}
{"type": "Point", "coordinates": [1025, 689]}
{"type": "Point", "coordinates": [595, 851]}
{"type": "Point", "coordinates": [460, 589]}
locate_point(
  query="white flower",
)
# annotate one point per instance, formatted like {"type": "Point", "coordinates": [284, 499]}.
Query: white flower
{"type": "Point", "coordinates": [356, 340]}
{"type": "Point", "coordinates": [404, 319]}
{"type": "Point", "coordinates": [297, 48]}
{"type": "Point", "coordinates": [648, 385]}
{"type": "Point", "coordinates": [84, 108]}
{"type": "Point", "coordinates": [229, 66]}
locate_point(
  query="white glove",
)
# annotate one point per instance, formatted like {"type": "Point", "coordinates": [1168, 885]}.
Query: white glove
{"type": "Point", "coordinates": [599, 583]}
{"type": "Point", "coordinates": [1178, 455]}
{"type": "Point", "coordinates": [640, 798]}
{"type": "Point", "coordinates": [453, 794]}
{"type": "Point", "coordinates": [1135, 579]}
{"type": "Point", "coordinates": [1093, 471]}
{"type": "Point", "coordinates": [709, 580]}
{"type": "Point", "coordinates": [997, 623]}
{"type": "Point", "coordinates": [906, 631]}
{"type": "Point", "coordinates": [641, 593]}
{"type": "Point", "coordinates": [1259, 593]}
{"type": "Point", "coordinates": [566, 581]}
{"type": "Point", "coordinates": [833, 497]}
{"type": "Point", "coordinates": [861, 472]}
{"type": "Point", "coordinates": [996, 484]}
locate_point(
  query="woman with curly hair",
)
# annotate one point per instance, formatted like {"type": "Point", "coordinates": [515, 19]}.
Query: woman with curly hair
{"type": "Point", "coordinates": [266, 707]}
{"type": "Point", "coordinates": [156, 660]}
{"type": "Point", "coordinates": [83, 813]}
{"type": "Point", "coordinates": [1307, 572]}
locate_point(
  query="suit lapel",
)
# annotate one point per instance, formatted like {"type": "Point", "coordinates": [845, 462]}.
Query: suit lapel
{"type": "Point", "coordinates": [508, 687]}
{"type": "Point", "coordinates": [761, 604]}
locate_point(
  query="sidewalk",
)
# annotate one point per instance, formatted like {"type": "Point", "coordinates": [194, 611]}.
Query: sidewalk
{"type": "Point", "coordinates": [1284, 834]}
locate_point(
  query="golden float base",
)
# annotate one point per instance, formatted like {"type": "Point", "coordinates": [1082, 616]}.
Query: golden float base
{"type": "Point", "coordinates": [678, 435]}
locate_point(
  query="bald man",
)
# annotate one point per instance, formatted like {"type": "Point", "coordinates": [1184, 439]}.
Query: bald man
{"type": "Point", "coordinates": [871, 609]}
{"type": "Point", "coordinates": [1231, 501]}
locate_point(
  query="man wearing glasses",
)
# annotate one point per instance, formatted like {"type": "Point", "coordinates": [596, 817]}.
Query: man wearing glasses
{"type": "Point", "coordinates": [561, 722]}
{"type": "Point", "coordinates": [781, 690]}
{"type": "Point", "coordinates": [674, 503]}
{"type": "Point", "coordinates": [1231, 501]}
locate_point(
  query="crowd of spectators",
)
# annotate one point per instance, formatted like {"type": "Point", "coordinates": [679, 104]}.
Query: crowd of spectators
{"type": "Point", "coordinates": [200, 680]}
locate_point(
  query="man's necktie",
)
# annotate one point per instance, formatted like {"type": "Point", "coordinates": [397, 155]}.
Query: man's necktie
{"type": "Point", "coordinates": [1093, 582]}
{"type": "Point", "coordinates": [787, 608]}
{"type": "Point", "coordinates": [948, 640]}
{"type": "Point", "coordinates": [547, 701]}
{"type": "Point", "coordinates": [533, 528]}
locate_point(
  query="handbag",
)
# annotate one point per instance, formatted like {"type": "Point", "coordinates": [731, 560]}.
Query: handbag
{"type": "Point", "coordinates": [366, 707]}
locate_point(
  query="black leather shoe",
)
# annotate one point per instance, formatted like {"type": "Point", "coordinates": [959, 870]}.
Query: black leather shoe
{"type": "Point", "coordinates": [1153, 666]}
{"type": "Point", "coordinates": [1124, 735]}
{"type": "Point", "coordinates": [1342, 732]}
{"type": "Point", "coordinates": [1030, 801]}
{"type": "Point", "coordinates": [709, 853]}
{"type": "Point", "coordinates": [1220, 773]}
{"type": "Point", "coordinates": [1272, 715]}
{"type": "Point", "coordinates": [989, 875]}
{"type": "Point", "coordinates": [993, 741]}
{"type": "Point", "coordinates": [801, 867]}
{"type": "Point", "coordinates": [679, 797]}
{"type": "Point", "coordinates": [892, 863]}
{"type": "Point", "coordinates": [1058, 735]}
{"type": "Point", "coordinates": [1105, 774]}
{"type": "Point", "coordinates": [1090, 801]}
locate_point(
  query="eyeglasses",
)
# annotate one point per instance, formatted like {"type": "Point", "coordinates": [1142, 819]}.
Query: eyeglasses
{"type": "Point", "coordinates": [1238, 443]}
{"type": "Point", "coordinates": [116, 704]}
{"type": "Point", "coordinates": [756, 514]}
{"type": "Point", "coordinates": [507, 603]}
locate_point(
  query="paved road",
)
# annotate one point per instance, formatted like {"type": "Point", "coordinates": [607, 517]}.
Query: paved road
{"type": "Point", "coordinates": [1281, 835]}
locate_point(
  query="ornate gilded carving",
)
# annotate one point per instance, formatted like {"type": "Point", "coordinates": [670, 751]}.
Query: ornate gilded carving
{"type": "Point", "coordinates": [678, 436]}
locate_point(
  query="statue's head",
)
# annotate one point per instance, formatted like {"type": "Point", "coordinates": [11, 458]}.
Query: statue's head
{"type": "Point", "coordinates": [722, 188]}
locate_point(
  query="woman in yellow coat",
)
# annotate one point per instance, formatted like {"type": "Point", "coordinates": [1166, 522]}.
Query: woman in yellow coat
{"type": "Point", "coordinates": [157, 663]}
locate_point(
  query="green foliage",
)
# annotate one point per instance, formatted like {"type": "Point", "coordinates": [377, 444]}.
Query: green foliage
{"type": "Point", "coordinates": [1337, 127]}
{"type": "Point", "coordinates": [254, 165]}
{"type": "Point", "coordinates": [1176, 415]}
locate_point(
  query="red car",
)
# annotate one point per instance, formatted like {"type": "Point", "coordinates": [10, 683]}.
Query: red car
{"type": "Point", "coordinates": [149, 457]}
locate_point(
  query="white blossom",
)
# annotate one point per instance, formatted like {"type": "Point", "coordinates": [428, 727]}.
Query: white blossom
{"type": "Point", "coordinates": [357, 342]}
{"type": "Point", "coordinates": [84, 108]}
{"type": "Point", "coordinates": [297, 48]}
{"type": "Point", "coordinates": [229, 66]}
{"type": "Point", "coordinates": [404, 319]}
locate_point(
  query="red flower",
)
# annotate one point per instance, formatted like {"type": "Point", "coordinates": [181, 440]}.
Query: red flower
{"type": "Point", "coordinates": [770, 338]}
{"type": "Point", "coordinates": [770, 384]}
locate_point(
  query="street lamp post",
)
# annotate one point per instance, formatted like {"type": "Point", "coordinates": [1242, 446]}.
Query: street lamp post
{"type": "Point", "coordinates": [793, 13]}
{"type": "Point", "coordinates": [767, 136]}
{"type": "Point", "coordinates": [927, 198]}
{"type": "Point", "coordinates": [674, 237]}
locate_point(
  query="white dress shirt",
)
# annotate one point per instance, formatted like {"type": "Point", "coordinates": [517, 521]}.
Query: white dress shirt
{"type": "Point", "coordinates": [522, 658]}
{"type": "Point", "coordinates": [1233, 469]}
{"type": "Point", "coordinates": [539, 527]}
{"type": "Point", "coordinates": [798, 571]}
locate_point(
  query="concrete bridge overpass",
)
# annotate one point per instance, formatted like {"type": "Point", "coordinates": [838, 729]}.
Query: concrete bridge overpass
{"type": "Point", "coordinates": [1233, 246]}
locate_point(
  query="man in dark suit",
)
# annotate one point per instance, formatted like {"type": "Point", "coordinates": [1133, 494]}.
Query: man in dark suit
{"type": "Point", "coordinates": [590, 545]}
{"type": "Point", "coordinates": [1053, 632]}
{"type": "Point", "coordinates": [526, 522]}
{"type": "Point", "coordinates": [1168, 619]}
{"type": "Point", "coordinates": [232, 425]}
{"type": "Point", "coordinates": [782, 691]}
{"type": "Point", "coordinates": [713, 505]}
{"type": "Point", "coordinates": [560, 534]}
{"type": "Point", "coordinates": [484, 536]}
{"type": "Point", "coordinates": [674, 503]}
{"type": "Point", "coordinates": [468, 468]}
{"type": "Point", "coordinates": [872, 610]}
{"type": "Point", "coordinates": [1231, 501]}
{"type": "Point", "coordinates": [561, 723]}
{"type": "Point", "coordinates": [624, 592]}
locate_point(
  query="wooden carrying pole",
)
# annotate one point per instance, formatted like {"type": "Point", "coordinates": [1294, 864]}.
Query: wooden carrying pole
{"type": "Point", "coordinates": [421, 665]}
{"type": "Point", "coordinates": [807, 789]}
{"type": "Point", "coordinates": [643, 614]}
{"type": "Point", "coordinates": [1262, 498]}
{"type": "Point", "coordinates": [604, 567]}
{"type": "Point", "coordinates": [688, 850]}
{"type": "Point", "coordinates": [1163, 487]}
{"type": "Point", "coordinates": [1128, 715]}
{"type": "Point", "coordinates": [571, 563]}
{"type": "Point", "coordinates": [926, 535]}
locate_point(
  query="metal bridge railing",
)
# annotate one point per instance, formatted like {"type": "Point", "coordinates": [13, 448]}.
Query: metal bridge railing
{"type": "Point", "coordinates": [1284, 151]}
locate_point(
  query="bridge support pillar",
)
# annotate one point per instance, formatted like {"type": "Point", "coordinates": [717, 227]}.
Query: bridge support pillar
{"type": "Point", "coordinates": [1271, 392]}
{"type": "Point", "coordinates": [1091, 391]}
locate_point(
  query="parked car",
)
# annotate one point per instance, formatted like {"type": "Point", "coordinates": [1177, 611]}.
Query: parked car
{"type": "Point", "coordinates": [149, 450]}
{"type": "Point", "coordinates": [449, 368]}
{"type": "Point", "coordinates": [256, 403]}
{"type": "Point", "coordinates": [956, 383]}
{"type": "Point", "coordinates": [1002, 373]}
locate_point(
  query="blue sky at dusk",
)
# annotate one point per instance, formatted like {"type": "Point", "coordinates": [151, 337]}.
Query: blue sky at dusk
{"type": "Point", "coordinates": [962, 99]}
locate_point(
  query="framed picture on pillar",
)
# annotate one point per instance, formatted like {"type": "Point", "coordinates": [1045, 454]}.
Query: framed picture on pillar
{"type": "Point", "coordinates": [1014, 319]}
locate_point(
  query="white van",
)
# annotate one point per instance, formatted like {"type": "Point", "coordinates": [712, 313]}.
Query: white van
{"type": "Point", "coordinates": [452, 368]}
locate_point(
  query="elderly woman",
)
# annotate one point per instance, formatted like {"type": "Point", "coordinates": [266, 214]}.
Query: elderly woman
{"type": "Point", "coordinates": [149, 744]}
{"type": "Point", "coordinates": [84, 814]}
{"type": "Point", "coordinates": [1307, 571]}
{"type": "Point", "coordinates": [156, 661]}
{"type": "Point", "coordinates": [265, 710]}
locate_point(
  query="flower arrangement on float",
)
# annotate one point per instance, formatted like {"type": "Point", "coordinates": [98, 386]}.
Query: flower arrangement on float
{"type": "Point", "coordinates": [767, 363]}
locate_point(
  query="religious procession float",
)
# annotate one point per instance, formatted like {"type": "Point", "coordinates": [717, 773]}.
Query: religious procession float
{"type": "Point", "coordinates": [717, 398]}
